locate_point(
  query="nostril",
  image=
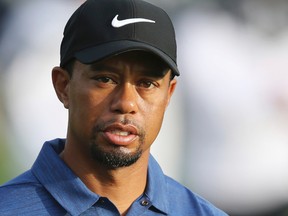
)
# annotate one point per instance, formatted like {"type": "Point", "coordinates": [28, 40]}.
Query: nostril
{"type": "Point", "coordinates": [124, 107]}
{"type": "Point", "coordinates": [125, 100]}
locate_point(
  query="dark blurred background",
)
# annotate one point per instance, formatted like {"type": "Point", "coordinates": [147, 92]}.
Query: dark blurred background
{"type": "Point", "coordinates": [225, 132]}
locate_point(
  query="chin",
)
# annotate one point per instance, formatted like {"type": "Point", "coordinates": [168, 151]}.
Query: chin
{"type": "Point", "coordinates": [117, 157]}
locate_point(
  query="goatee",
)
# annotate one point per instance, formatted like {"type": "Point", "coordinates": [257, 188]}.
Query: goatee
{"type": "Point", "coordinates": [115, 156]}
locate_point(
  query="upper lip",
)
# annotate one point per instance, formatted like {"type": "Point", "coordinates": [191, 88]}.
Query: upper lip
{"type": "Point", "coordinates": [131, 129]}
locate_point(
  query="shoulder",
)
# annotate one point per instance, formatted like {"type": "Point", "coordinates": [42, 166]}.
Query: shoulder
{"type": "Point", "coordinates": [24, 195]}
{"type": "Point", "coordinates": [184, 200]}
{"type": "Point", "coordinates": [25, 181]}
{"type": "Point", "coordinates": [176, 199]}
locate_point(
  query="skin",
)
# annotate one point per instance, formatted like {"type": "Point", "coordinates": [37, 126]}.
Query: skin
{"type": "Point", "coordinates": [116, 108]}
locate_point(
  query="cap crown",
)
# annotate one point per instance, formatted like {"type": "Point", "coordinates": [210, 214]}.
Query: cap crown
{"type": "Point", "coordinates": [91, 26]}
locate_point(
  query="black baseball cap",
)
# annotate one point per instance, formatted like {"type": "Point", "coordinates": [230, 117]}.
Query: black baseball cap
{"type": "Point", "coordinates": [102, 28]}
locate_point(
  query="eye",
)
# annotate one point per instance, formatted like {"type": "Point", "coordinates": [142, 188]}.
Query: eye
{"type": "Point", "coordinates": [147, 84]}
{"type": "Point", "coordinates": [105, 80]}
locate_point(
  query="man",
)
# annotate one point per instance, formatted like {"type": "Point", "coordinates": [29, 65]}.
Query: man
{"type": "Point", "coordinates": [116, 78]}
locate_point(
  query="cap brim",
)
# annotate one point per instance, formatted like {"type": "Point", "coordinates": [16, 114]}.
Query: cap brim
{"type": "Point", "coordinates": [96, 53]}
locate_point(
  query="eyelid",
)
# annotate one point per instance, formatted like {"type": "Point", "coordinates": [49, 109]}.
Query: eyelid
{"type": "Point", "coordinates": [104, 78]}
{"type": "Point", "coordinates": [99, 74]}
{"type": "Point", "coordinates": [144, 81]}
{"type": "Point", "coordinates": [101, 78]}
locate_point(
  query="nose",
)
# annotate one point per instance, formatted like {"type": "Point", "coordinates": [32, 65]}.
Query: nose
{"type": "Point", "coordinates": [125, 99]}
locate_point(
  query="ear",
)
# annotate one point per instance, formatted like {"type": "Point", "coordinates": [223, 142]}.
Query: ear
{"type": "Point", "coordinates": [61, 79]}
{"type": "Point", "coordinates": [171, 90]}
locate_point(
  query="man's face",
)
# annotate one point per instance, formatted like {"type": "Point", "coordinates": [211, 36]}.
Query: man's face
{"type": "Point", "coordinates": [116, 107]}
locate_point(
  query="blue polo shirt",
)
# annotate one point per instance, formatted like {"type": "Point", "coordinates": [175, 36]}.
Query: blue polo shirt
{"type": "Point", "coordinates": [51, 188]}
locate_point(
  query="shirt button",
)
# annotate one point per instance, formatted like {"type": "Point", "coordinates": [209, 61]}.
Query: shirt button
{"type": "Point", "coordinates": [144, 202]}
{"type": "Point", "coordinates": [101, 200]}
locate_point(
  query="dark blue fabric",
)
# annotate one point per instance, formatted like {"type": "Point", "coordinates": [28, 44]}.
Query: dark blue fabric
{"type": "Point", "coordinates": [51, 188]}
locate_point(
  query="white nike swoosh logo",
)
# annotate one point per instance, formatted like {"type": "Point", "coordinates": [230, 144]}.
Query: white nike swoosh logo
{"type": "Point", "coordinates": [120, 23]}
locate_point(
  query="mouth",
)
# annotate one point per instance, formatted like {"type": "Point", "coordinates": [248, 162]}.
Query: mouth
{"type": "Point", "coordinates": [121, 135]}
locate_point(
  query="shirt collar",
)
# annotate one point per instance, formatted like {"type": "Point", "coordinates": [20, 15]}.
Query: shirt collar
{"type": "Point", "coordinates": [69, 191]}
{"type": "Point", "coordinates": [72, 194]}
{"type": "Point", "coordinates": [156, 189]}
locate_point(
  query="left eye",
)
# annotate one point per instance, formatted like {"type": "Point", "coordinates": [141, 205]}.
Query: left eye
{"type": "Point", "coordinates": [146, 84]}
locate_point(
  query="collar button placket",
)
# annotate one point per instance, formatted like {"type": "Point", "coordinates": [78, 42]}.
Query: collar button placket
{"type": "Point", "coordinates": [145, 202]}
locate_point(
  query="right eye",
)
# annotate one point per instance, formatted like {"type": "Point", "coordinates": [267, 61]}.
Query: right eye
{"type": "Point", "coordinates": [104, 80]}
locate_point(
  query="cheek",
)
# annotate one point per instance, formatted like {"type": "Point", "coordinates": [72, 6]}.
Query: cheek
{"type": "Point", "coordinates": [85, 108]}
{"type": "Point", "coordinates": [153, 119]}
{"type": "Point", "coordinates": [85, 100]}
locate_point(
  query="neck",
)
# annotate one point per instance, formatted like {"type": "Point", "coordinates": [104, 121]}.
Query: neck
{"type": "Point", "coordinates": [121, 186]}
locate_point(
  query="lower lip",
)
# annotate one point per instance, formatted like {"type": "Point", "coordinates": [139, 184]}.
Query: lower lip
{"type": "Point", "coordinates": [120, 140]}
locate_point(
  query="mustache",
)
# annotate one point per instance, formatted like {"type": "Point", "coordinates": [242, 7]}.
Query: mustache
{"type": "Point", "coordinates": [102, 125]}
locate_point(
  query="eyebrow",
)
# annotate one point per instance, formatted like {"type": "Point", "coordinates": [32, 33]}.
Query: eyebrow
{"type": "Point", "coordinates": [103, 67]}
{"type": "Point", "coordinates": [157, 72]}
